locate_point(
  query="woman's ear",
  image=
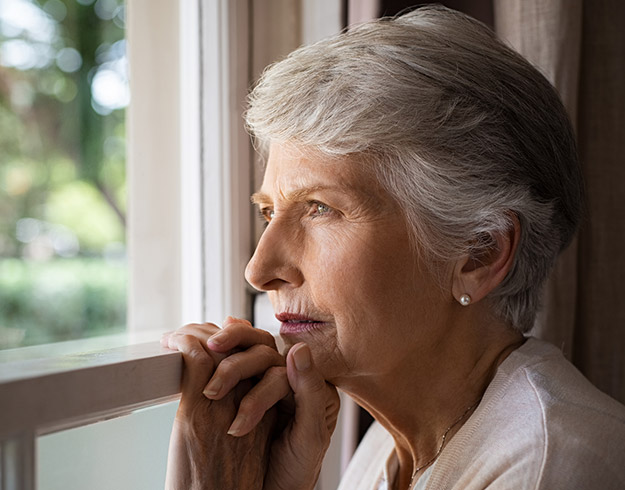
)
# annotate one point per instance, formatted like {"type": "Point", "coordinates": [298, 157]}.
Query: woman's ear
{"type": "Point", "coordinates": [478, 274]}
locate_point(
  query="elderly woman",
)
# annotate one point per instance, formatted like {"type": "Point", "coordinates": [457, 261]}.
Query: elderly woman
{"type": "Point", "coordinates": [421, 180]}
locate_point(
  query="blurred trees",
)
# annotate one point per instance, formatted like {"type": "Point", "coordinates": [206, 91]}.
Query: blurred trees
{"type": "Point", "coordinates": [63, 88]}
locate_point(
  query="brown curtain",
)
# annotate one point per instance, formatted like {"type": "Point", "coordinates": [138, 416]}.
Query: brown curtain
{"type": "Point", "coordinates": [580, 47]}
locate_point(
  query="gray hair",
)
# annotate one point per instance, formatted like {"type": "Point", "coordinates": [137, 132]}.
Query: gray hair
{"type": "Point", "coordinates": [460, 129]}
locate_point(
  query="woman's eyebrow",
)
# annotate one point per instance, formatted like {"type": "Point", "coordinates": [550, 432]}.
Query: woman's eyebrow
{"type": "Point", "coordinates": [260, 198]}
{"type": "Point", "coordinates": [302, 193]}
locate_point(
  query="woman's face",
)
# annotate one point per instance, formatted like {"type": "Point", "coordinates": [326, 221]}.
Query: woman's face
{"type": "Point", "coordinates": [337, 263]}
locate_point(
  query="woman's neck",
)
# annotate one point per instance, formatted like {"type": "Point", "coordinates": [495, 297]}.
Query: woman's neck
{"type": "Point", "coordinates": [427, 398]}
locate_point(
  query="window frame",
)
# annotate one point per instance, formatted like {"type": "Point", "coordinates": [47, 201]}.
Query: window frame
{"type": "Point", "coordinates": [194, 138]}
{"type": "Point", "coordinates": [168, 155]}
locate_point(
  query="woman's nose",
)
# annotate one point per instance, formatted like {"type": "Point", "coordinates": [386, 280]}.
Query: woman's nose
{"type": "Point", "coordinates": [274, 263]}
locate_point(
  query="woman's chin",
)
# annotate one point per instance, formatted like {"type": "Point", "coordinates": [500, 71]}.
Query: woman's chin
{"type": "Point", "coordinates": [322, 359]}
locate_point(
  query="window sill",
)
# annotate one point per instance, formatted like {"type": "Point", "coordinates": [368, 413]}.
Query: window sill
{"type": "Point", "coordinates": [78, 346]}
{"type": "Point", "coordinates": [40, 396]}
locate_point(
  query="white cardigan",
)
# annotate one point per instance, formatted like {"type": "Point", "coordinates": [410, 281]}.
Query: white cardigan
{"type": "Point", "coordinates": [541, 425]}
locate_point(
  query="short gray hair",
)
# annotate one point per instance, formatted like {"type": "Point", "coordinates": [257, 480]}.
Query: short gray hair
{"type": "Point", "coordinates": [460, 129]}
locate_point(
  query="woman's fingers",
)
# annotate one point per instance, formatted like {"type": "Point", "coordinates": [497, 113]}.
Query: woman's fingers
{"type": "Point", "coordinates": [200, 330]}
{"type": "Point", "coordinates": [198, 363]}
{"type": "Point", "coordinates": [165, 338]}
{"type": "Point", "coordinates": [316, 401]}
{"type": "Point", "coordinates": [235, 334]}
{"type": "Point", "coordinates": [239, 334]}
{"type": "Point", "coordinates": [302, 445]}
{"type": "Point", "coordinates": [273, 388]}
{"type": "Point", "coordinates": [254, 361]}
{"type": "Point", "coordinates": [237, 352]}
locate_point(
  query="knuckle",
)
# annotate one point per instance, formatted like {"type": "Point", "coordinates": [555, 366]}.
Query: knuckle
{"type": "Point", "coordinates": [333, 395]}
{"type": "Point", "coordinates": [267, 339]}
{"type": "Point", "coordinates": [198, 360]}
{"type": "Point", "coordinates": [331, 423]}
{"type": "Point", "coordinates": [187, 327]}
{"type": "Point", "coordinates": [269, 355]}
{"type": "Point", "coordinates": [276, 373]}
{"type": "Point", "coordinates": [210, 328]}
{"type": "Point", "coordinates": [252, 404]}
{"type": "Point", "coordinates": [191, 328]}
{"type": "Point", "coordinates": [199, 357]}
{"type": "Point", "coordinates": [204, 363]}
{"type": "Point", "coordinates": [228, 368]}
{"type": "Point", "coordinates": [236, 325]}
{"type": "Point", "coordinates": [317, 386]}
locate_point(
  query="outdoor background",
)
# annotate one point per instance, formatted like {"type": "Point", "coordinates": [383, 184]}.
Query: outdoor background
{"type": "Point", "coordinates": [63, 90]}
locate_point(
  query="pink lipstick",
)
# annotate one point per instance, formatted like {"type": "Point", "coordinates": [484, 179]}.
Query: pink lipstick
{"type": "Point", "coordinates": [293, 323]}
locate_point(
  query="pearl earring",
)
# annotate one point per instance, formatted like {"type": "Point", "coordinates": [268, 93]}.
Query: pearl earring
{"type": "Point", "coordinates": [465, 300]}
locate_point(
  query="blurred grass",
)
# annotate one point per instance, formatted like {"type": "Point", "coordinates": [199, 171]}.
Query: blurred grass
{"type": "Point", "coordinates": [60, 299]}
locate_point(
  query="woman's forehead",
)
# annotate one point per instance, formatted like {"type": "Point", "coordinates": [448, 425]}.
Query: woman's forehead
{"type": "Point", "coordinates": [291, 169]}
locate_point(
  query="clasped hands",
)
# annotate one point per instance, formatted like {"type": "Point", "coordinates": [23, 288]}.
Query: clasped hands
{"type": "Point", "coordinates": [249, 417]}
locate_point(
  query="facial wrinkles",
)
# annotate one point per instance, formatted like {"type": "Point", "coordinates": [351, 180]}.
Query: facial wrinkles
{"type": "Point", "coordinates": [358, 258]}
{"type": "Point", "coordinates": [294, 182]}
{"type": "Point", "coordinates": [311, 298]}
{"type": "Point", "coordinates": [354, 250]}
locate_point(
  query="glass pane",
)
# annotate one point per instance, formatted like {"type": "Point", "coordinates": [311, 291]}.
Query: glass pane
{"type": "Point", "coordinates": [63, 90]}
{"type": "Point", "coordinates": [126, 453]}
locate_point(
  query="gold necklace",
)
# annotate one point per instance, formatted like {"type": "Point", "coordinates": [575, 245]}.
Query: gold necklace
{"type": "Point", "coordinates": [443, 439]}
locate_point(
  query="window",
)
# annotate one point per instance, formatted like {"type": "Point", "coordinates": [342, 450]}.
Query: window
{"type": "Point", "coordinates": [176, 198]}
{"type": "Point", "coordinates": [189, 180]}
{"type": "Point", "coordinates": [63, 90]}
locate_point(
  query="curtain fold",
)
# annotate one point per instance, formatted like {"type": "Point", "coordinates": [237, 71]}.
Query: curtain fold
{"type": "Point", "coordinates": [580, 47]}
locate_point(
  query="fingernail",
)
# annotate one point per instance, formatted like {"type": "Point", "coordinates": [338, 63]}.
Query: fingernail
{"type": "Point", "coordinates": [213, 388]}
{"type": "Point", "coordinates": [302, 358]}
{"type": "Point", "coordinates": [217, 339]}
{"type": "Point", "coordinates": [237, 425]}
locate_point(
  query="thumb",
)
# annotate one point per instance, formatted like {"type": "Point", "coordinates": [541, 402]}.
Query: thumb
{"type": "Point", "coordinates": [316, 402]}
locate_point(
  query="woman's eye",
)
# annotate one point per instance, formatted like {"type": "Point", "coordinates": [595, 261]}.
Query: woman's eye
{"type": "Point", "coordinates": [320, 209]}
{"type": "Point", "coordinates": [267, 214]}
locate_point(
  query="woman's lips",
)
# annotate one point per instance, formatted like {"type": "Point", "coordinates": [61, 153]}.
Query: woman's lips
{"type": "Point", "coordinates": [293, 323]}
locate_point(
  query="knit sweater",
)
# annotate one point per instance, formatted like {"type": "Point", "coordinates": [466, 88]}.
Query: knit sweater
{"type": "Point", "coordinates": [540, 425]}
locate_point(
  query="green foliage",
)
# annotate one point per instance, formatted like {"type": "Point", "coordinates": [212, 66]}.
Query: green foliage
{"type": "Point", "coordinates": [60, 299]}
{"type": "Point", "coordinates": [62, 170]}
{"type": "Point", "coordinates": [78, 206]}
{"type": "Point", "coordinates": [54, 128]}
